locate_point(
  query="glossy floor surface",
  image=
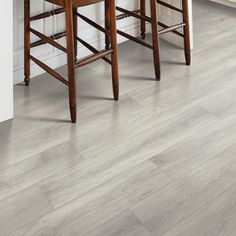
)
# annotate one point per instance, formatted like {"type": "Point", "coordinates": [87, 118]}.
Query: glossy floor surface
{"type": "Point", "coordinates": [162, 161]}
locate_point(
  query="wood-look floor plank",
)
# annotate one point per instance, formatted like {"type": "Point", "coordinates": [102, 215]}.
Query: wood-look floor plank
{"type": "Point", "coordinates": [160, 105]}
{"type": "Point", "coordinates": [191, 153]}
{"type": "Point", "coordinates": [99, 205]}
{"type": "Point", "coordinates": [196, 116]}
{"type": "Point", "coordinates": [216, 218]}
{"type": "Point", "coordinates": [75, 182]}
{"type": "Point", "coordinates": [125, 224]}
{"type": "Point", "coordinates": [37, 168]}
{"type": "Point", "coordinates": [177, 201]}
{"type": "Point", "coordinates": [223, 104]}
{"type": "Point", "coordinates": [216, 15]}
{"type": "Point", "coordinates": [140, 121]}
{"type": "Point", "coordinates": [21, 209]}
{"type": "Point", "coordinates": [170, 96]}
{"type": "Point", "coordinates": [67, 185]}
{"type": "Point", "coordinates": [21, 142]}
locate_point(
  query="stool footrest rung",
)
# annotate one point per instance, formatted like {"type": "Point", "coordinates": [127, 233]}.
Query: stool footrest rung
{"type": "Point", "coordinates": [49, 70]}
{"type": "Point", "coordinates": [47, 14]}
{"type": "Point", "coordinates": [165, 4]}
{"type": "Point", "coordinates": [133, 14]}
{"type": "Point", "coordinates": [48, 40]}
{"type": "Point", "coordinates": [93, 58]}
{"type": "Point", "coordinates": [172, 28]}
{"type": "Point", "coordinates": [130, 37]}
{"type": "Point", "coordinates": [92, 49]}
{"type": "Point", "coordinates": [173, 31]}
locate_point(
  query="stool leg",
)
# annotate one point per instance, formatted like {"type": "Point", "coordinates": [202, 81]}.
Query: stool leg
{"type": "Point", "coordinates": [155, 39]}
{"type": "Point", "coordinates": [114, 56]}
{"type": "Point", "coordinates": [27, 41]}
{"type": "Point", "coordinates": [187, 48]}
{"type": "Point", "coordinates": [75, 22]}
{"type": "Point", "coordinates": [107, 25]}
{"type": "Point", "coordinates": [71, 58]}
{"type": "Point", "coordinates": [143, 23]}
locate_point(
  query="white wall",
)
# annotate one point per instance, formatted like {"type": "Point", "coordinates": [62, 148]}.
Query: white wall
{"type": "Point", "coordinates": [6, 78]}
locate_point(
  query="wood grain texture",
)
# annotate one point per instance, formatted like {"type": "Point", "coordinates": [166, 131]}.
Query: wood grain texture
{"type": "Point", "coordinates": [22, 208]}
{"type": "Point", "coordinates": [159, 162]}
{"type": "Point", "coordinates": [37, 168]}
{"type": "Point", "coordinates": [186, 156]}
{"type": "Point", "coordinates": [100, 204]}
{"type": "Point", "coordinates": [124, 224]}
{"type": "Point", "coordinates": [216, 218]}
{"type": "Point", "coordinates": [187, 194]}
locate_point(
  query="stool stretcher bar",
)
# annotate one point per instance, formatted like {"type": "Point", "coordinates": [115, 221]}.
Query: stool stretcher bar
{"type": "Point", "coordinates": [126, 15]}
{"type": "Point", "coordinates": [130, 37]}
{"type": "Point", "coordinates": [173, 31]}
{"type": "Point", "coordinates": [93, 58]}
{"type": "Point", "coordinates": [165, 4]}
{"type": "Point", "coordinates": [134, 14]}
{"type": "Point", "coordinates": [92, 49]}
{"type": "Point", "coordinates": [92, 23]}
{"type": "Point", "coordinates": [54, 37]}
{"type": "Point", "coordinates": [49, 70]}
{"type": "Point", "coordinates": [171, 28]}
{"type": "Point", "coordinates": [47, 14]}
{"type": "Point", "coordinates": [138, 16]}
{"type": "Point", "coordinates": [48, 40]}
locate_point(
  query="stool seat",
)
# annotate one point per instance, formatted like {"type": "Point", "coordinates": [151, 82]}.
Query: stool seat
{"type": "Point", "coordinates": [76, 3]}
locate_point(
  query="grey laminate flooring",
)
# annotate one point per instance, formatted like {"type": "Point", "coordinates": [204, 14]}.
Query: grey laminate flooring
{"type": "Point", "coordinates": [161, 161]}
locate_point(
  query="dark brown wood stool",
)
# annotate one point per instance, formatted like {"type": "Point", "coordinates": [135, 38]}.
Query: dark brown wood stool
{"type": "Point", "coordinates": [153, 20]}
{"type": "Point", "coordinates": [71, 14]}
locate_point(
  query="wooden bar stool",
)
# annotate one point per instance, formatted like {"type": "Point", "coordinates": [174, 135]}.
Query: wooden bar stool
{"type": "Point", "coordinates": [153, 20]}
{"type": "Point", "coordinates": [71, 14]}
